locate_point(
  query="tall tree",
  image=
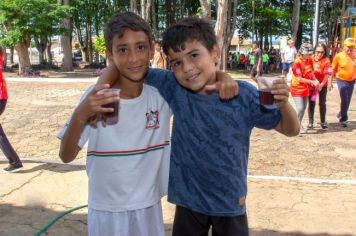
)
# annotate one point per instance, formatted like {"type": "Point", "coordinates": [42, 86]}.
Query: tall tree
{"type": "Point", "coordinates": [295, 19]}
{"type": "Point", "coordinates": [21, 19]}
{"type": "Point", "coordinates": [206, 8]}
{"type": "Point", "coordinates": [220, 26]}
{"type": "Point", "coordinates": [66, 40]}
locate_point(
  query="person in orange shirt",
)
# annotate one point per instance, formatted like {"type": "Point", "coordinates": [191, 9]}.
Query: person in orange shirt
{"type": "Point", "coordinates": [344, 69]}
{"type": "Point", "coordinates": [302, 80]}
{"type": "Point", "coordinates": [15, 163]}
{"type": "Point", "coordinates": [322, 71]}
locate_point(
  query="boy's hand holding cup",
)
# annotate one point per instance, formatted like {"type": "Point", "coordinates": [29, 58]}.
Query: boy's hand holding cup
{"type": "Point", "coordinates": [110, 116]}
{"type": "Point", "coordinates": [272, 91]}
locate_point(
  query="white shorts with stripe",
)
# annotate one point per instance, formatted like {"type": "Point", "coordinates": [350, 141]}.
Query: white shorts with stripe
{"type": "Point", "coordinates": [142, 222]}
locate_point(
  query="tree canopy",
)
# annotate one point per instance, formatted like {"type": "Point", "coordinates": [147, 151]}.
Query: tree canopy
{"type": "Point", "coordinates": [265, 20]}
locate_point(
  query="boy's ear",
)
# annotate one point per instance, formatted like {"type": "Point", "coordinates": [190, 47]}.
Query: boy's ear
{"type": "Point", "coordinates": [109, 56]}
{"type": "Point", "coordinates": [216, 53]}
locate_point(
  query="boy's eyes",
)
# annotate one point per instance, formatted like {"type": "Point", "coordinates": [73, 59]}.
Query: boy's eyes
{"type": "Point", "coordinates": [194, 55]}
{"type": "Point", "coordinates": [176, 63]}
{"type": "Point", "coordinates": [141, 47]}
{"type": "Point", "coordinates": [125, 50]}
{"type": "Point", "coordinates": [122, 50]}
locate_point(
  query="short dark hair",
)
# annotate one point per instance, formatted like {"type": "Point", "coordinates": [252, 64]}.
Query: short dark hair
{"type": "Point", "coordinates": [121, 21]}
{"type": "Point", "coordinates": [191, 28]}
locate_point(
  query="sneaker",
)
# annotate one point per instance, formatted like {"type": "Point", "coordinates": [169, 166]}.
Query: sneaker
{"type": "Point", "coordinates": [338, 116]}
{"type": "Point", "coordinates": [324, 126]}
{"type": "Point", "coordinates": [310, 126]}
{"type": "Point", "coordinates": [13, 168]}
{"type": "Point", "coordinates": [343, 124]}
{"type": "Point", "coordinates": [303, 130]}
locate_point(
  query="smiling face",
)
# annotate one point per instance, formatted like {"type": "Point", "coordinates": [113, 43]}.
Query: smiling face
{"type": "Point", "coordinates": [131, 54]}
{"type": "Point", "coordinates": [194, 66]}
{"type": "Point", "coordinates": [319, 53]}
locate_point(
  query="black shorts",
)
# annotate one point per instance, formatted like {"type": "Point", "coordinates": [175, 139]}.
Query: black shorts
{"type": "Point", "coordinates": [190, 223]}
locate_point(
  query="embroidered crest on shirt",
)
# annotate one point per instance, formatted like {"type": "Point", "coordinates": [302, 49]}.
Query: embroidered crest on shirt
{"type": "Point", "coordinates": [152, 121]}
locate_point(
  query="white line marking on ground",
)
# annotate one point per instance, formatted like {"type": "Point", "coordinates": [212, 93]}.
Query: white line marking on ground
{"type": "Point", "coordinates": [81, 162]}
{"type": "Point", "coordinates": [302, 179]}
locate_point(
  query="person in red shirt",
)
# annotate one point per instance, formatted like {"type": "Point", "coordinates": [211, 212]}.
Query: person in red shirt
{"type": "Point", "coordinates": [322, 71]}
{"type": "Point", "coordinates": [15, 163]}
{"type": "Point", "coordinates": [344, 70]}
{"type": "Point", "coordinates": [302, 80]}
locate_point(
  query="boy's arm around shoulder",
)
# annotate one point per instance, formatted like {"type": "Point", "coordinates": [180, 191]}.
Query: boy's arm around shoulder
{"type": "Point", "coordinates": [109, 75]}
{"type": "Point", "coordinates": [289, 123]}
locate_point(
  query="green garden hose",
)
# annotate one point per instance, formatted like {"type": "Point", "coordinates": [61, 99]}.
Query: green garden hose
{"type": "Point", "coordinates": [49, 224]}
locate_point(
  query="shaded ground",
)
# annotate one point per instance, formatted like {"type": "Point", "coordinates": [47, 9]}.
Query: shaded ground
{"type": "Point", "coordinates": [301, 204]}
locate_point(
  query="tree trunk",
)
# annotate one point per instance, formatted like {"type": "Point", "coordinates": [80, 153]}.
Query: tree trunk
{"type": "Point", "coordinates": [41, 43]}
{"type": "Point", "coordinates": [24, 58]}
{"type": "Point", "coordinates": [49, 53]}
{"type": "Point", "coordinates": [12, 55]}
{"type": "Point", "coordinates": [143, 9]}
{"type": "Point", "coordinates": [170, 12]}
{"type": "Point", "coordinates": [148, 10]}
{"type": "Point", "coordinates": [295, 19]}
{"type": "Point", "coordinates": [220, 29]}
{"type": "Point", "coordinates": [82, 46]}
{"type": "Point", "coordinates": [155, 19]}
{"type": "Point", "coordinates": [206, 6]}
{"type": "Point", "coordinates": [66, 41]}
{"type": "Point", "coordinates": [133, 6]}
{"type": "Point", "coordinates": [4, 62]}
{"type": "Point", "coordinates": [229, 30]}
{"type": "Point", "coordinates": [89, 57]}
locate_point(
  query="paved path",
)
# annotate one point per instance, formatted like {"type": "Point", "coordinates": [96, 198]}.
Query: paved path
{"type": "Point", "coordinates": [297, 186]}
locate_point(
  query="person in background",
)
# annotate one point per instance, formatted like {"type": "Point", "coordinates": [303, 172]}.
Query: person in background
{"type": "Point", "coordinates": [272, 53]}
{"type": "Point", "coordinates": [15, 163]}
{"type": "Point", "coordinates": [302, 80]}
{"type": "Point", "coordinates": [159, 58]}
{"type": "Point", "coordinates": [257, 61]}
{"type": "Point", "coordinates": [288, 55]}
{"type": "Point", "coordinates": [322, 71]}
{"type": "Point", "coordinates": [247, 61]}
{"type": "Point", "coordinates": [344, 70]}
{"type": "Point", "coordinates": [265, 59]}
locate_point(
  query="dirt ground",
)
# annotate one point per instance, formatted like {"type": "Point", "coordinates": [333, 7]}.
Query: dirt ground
{"type": "Point", "coordinates": [76, 73]}
{"type": "Point", "coordinates": [304, 185]}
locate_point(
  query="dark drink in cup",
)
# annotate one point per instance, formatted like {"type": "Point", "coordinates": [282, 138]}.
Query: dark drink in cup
{"type": "Point", "coordinates": [266, 97]}
{"type": "Point", "coordinates": [264, 89]}
{"type": "Point", "coordinates": [112, 117]}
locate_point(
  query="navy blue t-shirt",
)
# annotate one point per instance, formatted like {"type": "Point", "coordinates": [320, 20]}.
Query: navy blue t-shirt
{"type": "Point", "coordinates": [210, 145]}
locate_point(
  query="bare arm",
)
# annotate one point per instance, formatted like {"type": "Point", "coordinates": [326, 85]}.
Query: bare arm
{"type": "Point", "coordinates": [69, 148]}
{"type": "Point", "coordinates": [91, 105]}
{"type": "Point", "coordinates": [289, 123]}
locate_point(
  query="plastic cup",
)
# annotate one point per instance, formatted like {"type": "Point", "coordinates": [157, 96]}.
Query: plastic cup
{"type": "Point", "coordinates": [111, 117]}
{"type": "Point", "coordinates": [264, 90]}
